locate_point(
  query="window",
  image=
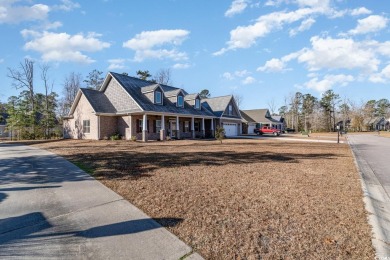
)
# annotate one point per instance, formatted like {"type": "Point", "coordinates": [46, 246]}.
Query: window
{"type": "Point", "coordinates": [157, 97]}
{"type": "Point", "coordinates": [230, 110]}
{"type": "Point", "coordinates": [186, 126]}
{"type": "Point", "coordinates": [180, 101]}
{"type": "Point", "coordinates": [196, 126]}
{"type": "Point", "coordinates": [139, 126]}
{"type": "Point", "coordinates": [158, 126]}
{"type": "Point", "coordinates": [86, 126]}
{"type": "Point", "coordinates": [197, 103]}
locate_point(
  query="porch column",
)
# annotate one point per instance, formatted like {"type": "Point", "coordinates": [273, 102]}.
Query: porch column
{"type": "Point", "coordinates": [193, 127]}
{"type": "Point", "coordinates": [131, 131]}
{"type": "Point", "coordinates": [212, 127]}
{"type": "Point", "coordinates": [98, 124]}
{"type": "Point", "coordinates": [145, 128]}
{"type": "Point", "coordinates": [162, 131]}
{"type": "Point", "coordinates": [177, 128]}
{"type": "Point", "coordinates": [240, 129]}
{"type": "Point", "coordinates": [203, 130]}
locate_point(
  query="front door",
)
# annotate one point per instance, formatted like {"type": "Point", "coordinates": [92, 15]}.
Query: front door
{"type": "Point", "coordinates": [173, 129]}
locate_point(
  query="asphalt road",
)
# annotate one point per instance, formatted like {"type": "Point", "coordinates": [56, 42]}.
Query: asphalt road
{"type": "Point", "coordinates": [372, 155]}
{"type": "Point", "coordinates": [49, 208]}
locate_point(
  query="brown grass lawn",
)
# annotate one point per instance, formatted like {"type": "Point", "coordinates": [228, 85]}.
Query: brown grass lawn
{"type": "Point", "coordinates": [243, 199]}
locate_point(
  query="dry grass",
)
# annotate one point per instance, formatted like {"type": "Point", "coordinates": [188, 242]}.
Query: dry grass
{"type": "Point", "coordinates": [244, 199]}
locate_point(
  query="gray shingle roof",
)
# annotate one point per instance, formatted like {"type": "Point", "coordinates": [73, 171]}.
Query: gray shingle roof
{"type": "Point", "coordinates": [133, 87]}
{"type": "Point", "coordinates": [257, 116]}
{"type": "Point", "coordinates": [98, 101]}
{"type": "Point", "coordinates": [149, 88]}
{"type": "Point", "coordinates": [190, 96]}
{"type": "Point", "coordinates": [217, 104]}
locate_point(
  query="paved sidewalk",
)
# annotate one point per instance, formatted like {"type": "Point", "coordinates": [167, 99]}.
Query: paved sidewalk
{"type": "Point", "coordinates": [49, 208]}
{"type": "Point", "coordinates": [372, 154]}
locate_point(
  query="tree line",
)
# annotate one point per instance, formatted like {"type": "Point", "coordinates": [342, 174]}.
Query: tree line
{"type": "Point", "coordinates": [37, 112]}
{"type": "Point", "coordinates": [304, 112]}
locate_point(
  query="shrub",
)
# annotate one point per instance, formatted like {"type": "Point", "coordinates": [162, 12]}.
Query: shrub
{"type": "Point", "coordinates": [220, 133]}
{"type": "Point", "coordinates": [133, 138]}
{"type": "Point", "coordinates": [115, 137]}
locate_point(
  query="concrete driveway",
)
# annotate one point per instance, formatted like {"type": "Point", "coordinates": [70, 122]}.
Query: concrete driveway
{"type": "Point", "coordinates": [49, 208]}
{"type": "Point", "coordinates": [372, 155]}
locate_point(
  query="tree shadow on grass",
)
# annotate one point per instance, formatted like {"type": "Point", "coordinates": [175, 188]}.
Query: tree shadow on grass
{"type": "Point", "coordinates": [135, 164]}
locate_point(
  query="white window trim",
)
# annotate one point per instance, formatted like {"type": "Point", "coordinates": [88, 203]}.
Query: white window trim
{"type": "Point", "coordinates": [158, 125]}
{"type": "Point", "coordinates": [230, 110]}
{"type": "Point", "coordinates": [182, 101]}
{"type": "Point", "coordinates": [197, 103]}
{"type": "Point", "coordinates": [85, 126]}
{"type": "Point", "coordinates": [155, 97]}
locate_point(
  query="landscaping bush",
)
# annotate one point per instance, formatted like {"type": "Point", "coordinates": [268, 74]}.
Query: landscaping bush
{"type": "Point", "coordinates": [115, 137]}
{"type": "Point", "coordinates": [220, 133]}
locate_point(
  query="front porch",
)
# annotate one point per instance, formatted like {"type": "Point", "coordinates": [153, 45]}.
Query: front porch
{"type": "Point", "coordinates": [160, 127]}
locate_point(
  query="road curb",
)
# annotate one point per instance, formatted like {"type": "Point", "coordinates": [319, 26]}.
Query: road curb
{"type": "Point", "coordinates": [372, 192]}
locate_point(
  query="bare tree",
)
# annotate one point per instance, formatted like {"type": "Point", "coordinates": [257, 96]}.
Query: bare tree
{"type": "Point", "coordinates": [163, 76]}
{"type": "Point", "coordinates": [24, 78]}
{"type": "Point", "coordinates": [272, 106]}
{"type": "Point", "coordinates": [239, 100]}
{"type": "Point", "coordinates": [44, 77]}
{"type": "Point", "coordinates": [71, 86]}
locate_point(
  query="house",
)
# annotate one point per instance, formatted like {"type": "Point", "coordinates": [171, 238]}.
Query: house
{"type": "Point", "coordinates": [375, 124]}
{"type": "Point", "coordinates": [257, 118]}
{"type": "Point", "coordinates": [227, 114]}
{"type": "Point", "coordinates": [280, 119]}
{"type": "Point", "coordinates": [136, 108]}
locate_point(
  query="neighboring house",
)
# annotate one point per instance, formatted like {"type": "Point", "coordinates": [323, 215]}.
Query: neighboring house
{"type": "Point", "coordinates": [257, 118]}
{"type": "Point", "coordinates": [3, 125]}
{"type": "Point", "coordinates": [226, 112]}
{"type": "Point", "coordinates": [375, 124]}
{"type": "Point", "coordinates": [281, 120]}
{"type": "Point", "coordinates": [137, 108]}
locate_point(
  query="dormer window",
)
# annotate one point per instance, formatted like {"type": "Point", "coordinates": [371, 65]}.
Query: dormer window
{"type": "Point", "coordinates": [157, 97]}
{"type": "Point", "coordinates": [180, 101]}
{"type": "Point", "coordinates": [197, 103]}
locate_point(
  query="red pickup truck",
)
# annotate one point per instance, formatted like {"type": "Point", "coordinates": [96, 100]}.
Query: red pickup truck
{"type": "Point", "coordinates": [267, 130]}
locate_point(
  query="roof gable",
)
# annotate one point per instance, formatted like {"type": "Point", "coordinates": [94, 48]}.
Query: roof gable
{"type": "Point", "coordinates": [218, 105]}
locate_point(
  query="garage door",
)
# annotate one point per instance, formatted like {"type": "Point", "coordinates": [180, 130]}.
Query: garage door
{"type": "Point", "coordinates": [251, 129]}
{"type": "Point", "coordinates": [230, 129]}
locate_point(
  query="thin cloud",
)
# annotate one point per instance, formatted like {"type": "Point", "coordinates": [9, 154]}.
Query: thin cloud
{"type": "Point", "coordinates": [116, 64]}
{"type": "Point", "coordinates": [62, 47]}
{"type": "Point", "coordinates": [237, 7]}
{"type": "Point", "coordinates": [328, 82]}
{"type": "Point", "coordinates": [146, 44]}
{"type": "Point", "coordinates": [246, 36]}
{"type": "Point", "coordinates": [21, 13]}
{"type": "Point", "coordinates": [372, 23]}
{"type": "Point", "coordinates": [248, 80]}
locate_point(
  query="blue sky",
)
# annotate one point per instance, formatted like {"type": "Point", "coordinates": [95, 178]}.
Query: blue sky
{"type": "Point", "coordinates": [262, 50]}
